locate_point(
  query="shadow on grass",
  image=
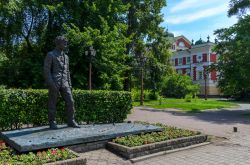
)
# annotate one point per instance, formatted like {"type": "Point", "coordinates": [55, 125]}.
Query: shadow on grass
{"type": "Point", "coordinates": [193, 110]}
{"type": "Point", "coordinates": [246, 114]}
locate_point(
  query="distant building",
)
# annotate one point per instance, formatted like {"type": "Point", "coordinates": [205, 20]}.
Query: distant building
{"type": "Point", "coordinates": [192, 59]}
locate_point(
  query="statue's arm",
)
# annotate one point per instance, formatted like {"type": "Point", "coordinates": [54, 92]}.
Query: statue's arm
{"type": "Point", "coordinates": [68, 74]}
{"type": "Point", "coordinates": [47, 70]}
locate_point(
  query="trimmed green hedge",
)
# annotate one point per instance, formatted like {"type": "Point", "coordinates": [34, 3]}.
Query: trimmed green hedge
{"type": "Point", "coordinates": [20, 107]}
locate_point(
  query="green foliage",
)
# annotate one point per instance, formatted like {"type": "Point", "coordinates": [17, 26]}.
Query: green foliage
{"type": "Point", "coordinates": [18, 107]}
{"type": "Point", "coordinates": [108, 65]}
{"type": "Point", "coordinates": [113, 27]}
{"type": "Point", "coordinates": [178, 86]}
{"type": "Point", "coordinates": [188, 98]}
{"type": "Point", "coordinates": [238, 7]}
{"type": "Point", "coordinates": [148, 95]}
{"type": "Point", "coordinates": [234, 50]}
{"type": "Point", "coordinates": [9, 156]}
{"type": "Point", "coordinates": [148, 37]}
{"type": "Point", "coordinates": [147, 138]}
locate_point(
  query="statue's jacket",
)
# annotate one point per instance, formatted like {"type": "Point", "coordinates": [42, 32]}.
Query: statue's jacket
{"type": "Point", "coordinates": [56, 69]}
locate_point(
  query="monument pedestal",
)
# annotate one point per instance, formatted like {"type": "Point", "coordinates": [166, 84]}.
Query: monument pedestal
{"type": "Point", "coordinates": [30, 139]}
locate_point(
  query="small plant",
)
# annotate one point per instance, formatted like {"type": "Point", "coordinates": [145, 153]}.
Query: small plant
{"type": "Point", "coordinates": [188, 98]}
{"type": "Point", "coordinates": [9, 156]}
{"type": "Point", "coordinates": [147, 138]}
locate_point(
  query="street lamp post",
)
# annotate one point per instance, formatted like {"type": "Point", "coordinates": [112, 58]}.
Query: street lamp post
{"type": "Point", "coordinates": [90, 53]}
{"type": "Point", "coordinates": [205, 77]}
{"type": "Point", "coordinates": [204, 69]}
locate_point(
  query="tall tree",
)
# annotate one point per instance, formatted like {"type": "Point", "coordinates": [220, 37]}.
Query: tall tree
{"type": "Point", "coordinates": [234, 51]}
{"type": "Point", "coordinates": [143, 19]}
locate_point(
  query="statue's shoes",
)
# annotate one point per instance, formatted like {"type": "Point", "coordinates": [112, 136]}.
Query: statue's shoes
{"type": "Point", "coordinates": [52, 125]}
{"type": "Point", "coordinates": [73, 124]}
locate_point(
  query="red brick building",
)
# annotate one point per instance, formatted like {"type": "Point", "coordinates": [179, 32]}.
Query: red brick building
{"type": "Point", "coordinates": [192, 59]}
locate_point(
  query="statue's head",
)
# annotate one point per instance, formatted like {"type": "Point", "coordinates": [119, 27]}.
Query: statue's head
{"type": "Point", "coordinates": [61, 42]}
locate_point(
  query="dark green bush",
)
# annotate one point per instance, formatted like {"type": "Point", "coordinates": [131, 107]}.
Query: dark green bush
{"type": "Point", "coordinates": [179, 86]}
{"type": "Point", "coordinates": [19, 107]}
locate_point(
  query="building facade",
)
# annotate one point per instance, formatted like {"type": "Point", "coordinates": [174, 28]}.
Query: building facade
{"type": "Point", "coordinates": [193, 59]}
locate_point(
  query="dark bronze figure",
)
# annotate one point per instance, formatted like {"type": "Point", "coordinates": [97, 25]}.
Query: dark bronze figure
{"type": "Point", "coordinates": [56, 71]}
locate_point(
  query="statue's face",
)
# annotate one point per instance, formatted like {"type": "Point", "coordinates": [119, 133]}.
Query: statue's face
{"type": "Point", "coordinates": [62, 44]}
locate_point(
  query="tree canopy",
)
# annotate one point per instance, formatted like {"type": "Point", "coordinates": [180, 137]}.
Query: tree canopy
{"type": "Point", "coordinates": [113, 27]}
{"type": "Point", "coordinates": [234, 51]}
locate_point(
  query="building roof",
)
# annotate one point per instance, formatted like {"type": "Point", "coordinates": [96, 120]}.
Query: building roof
{"type": "Point", "coordinates": [199, 42]}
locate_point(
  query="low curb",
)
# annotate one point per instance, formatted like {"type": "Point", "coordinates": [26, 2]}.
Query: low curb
{"type": "Point", "coordinates": [74, 161]}
{"type": "Point", "coordinates": [139, 151]}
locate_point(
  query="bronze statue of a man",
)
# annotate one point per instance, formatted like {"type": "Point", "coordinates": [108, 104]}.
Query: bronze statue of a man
{"type": "Point", "coordinates": [56, 71]}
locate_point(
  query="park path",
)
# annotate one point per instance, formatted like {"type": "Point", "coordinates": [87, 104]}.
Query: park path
{"type": "Point", "coordinates": [233, 149]}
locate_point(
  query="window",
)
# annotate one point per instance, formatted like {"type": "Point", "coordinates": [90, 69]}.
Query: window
{"type": "Point", "coordinates": [188, 72]}
{"type": "Point", "coordinates": [200, 74]}
{"type": "Point", "coordinates": [199, 58]}
{"type": "Point", "coordinates": [181, 44]}
{"type": "Point", "coordinates": [180, 61]}
{"type": "Point", "coordinates": [188, 60]}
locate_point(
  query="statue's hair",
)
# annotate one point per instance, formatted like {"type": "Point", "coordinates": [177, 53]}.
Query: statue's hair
{"type": "Point", "coordinates": [59, 39]}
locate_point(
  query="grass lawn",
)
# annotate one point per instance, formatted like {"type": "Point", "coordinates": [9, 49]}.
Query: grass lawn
{"type": "Point", "coordinates": [195, 105]}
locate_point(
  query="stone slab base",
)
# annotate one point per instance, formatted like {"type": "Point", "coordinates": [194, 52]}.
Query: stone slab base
{"type": "Point", "coordinates": [75, 161]}
{"type": "Point", "coordinates": [80, 148]}
{"type": "Point", "coordinates": [30, 139]}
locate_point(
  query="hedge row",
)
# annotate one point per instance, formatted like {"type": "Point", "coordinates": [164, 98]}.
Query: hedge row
{"type": "Point", "coordinates": [21, 107]}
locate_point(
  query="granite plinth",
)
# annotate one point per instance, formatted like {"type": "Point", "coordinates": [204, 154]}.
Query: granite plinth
{"type": "Point", "coordinates": [30, 139]}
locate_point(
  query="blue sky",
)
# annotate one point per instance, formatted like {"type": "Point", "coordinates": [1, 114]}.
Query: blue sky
{"type": "Point", "coordinates": [196, 18]}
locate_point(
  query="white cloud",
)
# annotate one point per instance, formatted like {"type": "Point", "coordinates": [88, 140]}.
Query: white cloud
{"type": "Point", "coordinates": [188, 4]}
{"type": "Point", "coordinates": [225, 23]}
{"type": "Point", "coordinates": [177, 33]}
{"type": "Point", "coordinates": [187, 18]}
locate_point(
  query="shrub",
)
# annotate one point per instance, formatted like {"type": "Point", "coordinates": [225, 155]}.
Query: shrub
{"type": "Point", "coordinates": [179, 86]}
{"type": "Point", "coordinates": [18, 107]}
{"type": "Point", "coordinates": [188, 98]}
{"type": "Point", "coordinates": [153, 95]}
{"type": "Point", "coordinates": [148, 95]}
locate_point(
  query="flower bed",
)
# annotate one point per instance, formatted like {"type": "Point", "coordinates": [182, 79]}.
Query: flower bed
{"type": "Point", "coordinates": [170, 138]}
{"type": "Point", "coordinates": [167, 134]}
{"type": "Point", "coordinates": [10, 156]}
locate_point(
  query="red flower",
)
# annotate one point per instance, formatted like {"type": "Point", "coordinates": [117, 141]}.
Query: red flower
{"type": "Point", "coordinates": [62, 149]}
{"type": "Point", "coordinates": [53, 151]}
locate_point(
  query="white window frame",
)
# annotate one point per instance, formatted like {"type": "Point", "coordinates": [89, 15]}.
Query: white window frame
{"type": "Point", "coordinates": [188, 62]}
{"type": "Point", "coordinates": [180, 61]}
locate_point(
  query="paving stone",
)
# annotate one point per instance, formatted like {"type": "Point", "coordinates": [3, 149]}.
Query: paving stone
{"type": "Point", "coordinates": [234, 151]}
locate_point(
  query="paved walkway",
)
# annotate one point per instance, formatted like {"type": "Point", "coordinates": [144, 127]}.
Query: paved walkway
{"type": "Point", "coordinates": [234, 150]}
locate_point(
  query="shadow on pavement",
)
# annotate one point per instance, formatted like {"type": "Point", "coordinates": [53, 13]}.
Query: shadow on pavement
{"type": "Point", "coordinates": [221, 116]}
